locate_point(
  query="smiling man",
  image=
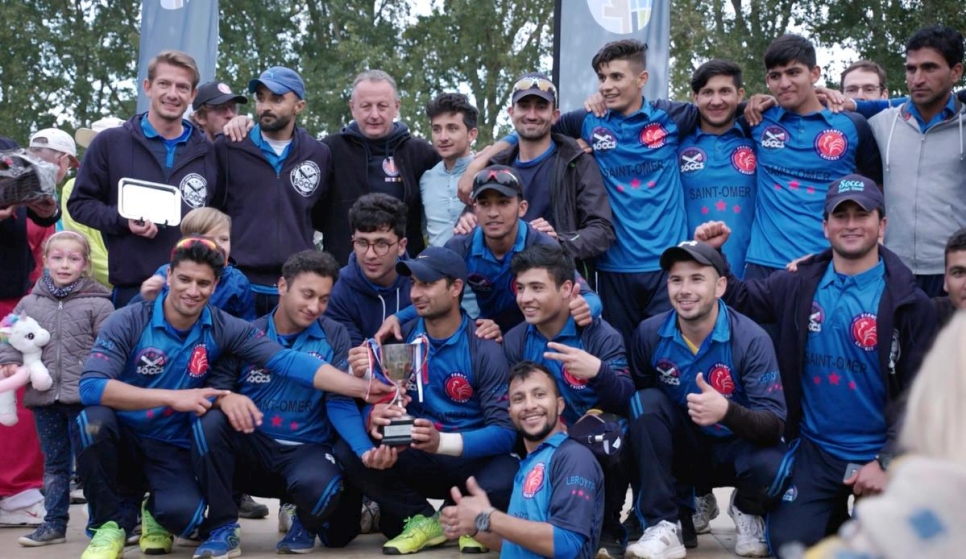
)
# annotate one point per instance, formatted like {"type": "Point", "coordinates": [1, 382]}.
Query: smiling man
{"type": "Point", "coordinates": [157, 146]}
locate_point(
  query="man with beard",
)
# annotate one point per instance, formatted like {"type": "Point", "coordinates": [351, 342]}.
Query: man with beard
{"type": "Point", "coordinates": [269, 183]}
{"type": "Point", "coordinates": [709, 410]}
{"type": "Point", "coordinates": [557, 501]}
{"type": "Point", "coordinates": [842, 387]}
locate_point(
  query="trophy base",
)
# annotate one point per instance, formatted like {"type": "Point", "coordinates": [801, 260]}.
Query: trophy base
{"type": "Point", "coordinates": [399, 432]}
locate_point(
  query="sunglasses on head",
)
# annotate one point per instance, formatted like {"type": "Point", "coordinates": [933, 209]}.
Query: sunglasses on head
{"type": "Point", "coordinates": [498, 176]}
{"type": "Point", "coordinates": [534, 82]}
{"type": "Point", "coordinates": [190, 242]}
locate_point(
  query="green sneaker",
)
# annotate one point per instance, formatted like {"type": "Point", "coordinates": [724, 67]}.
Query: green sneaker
{"type": "Point", "coordinates": [107, 543]}
{"type": "Point", "coordinates": [155, 540]}
{"type": "Point", "coordinates": [419, 532]}
{"type": "Point", "coordinates": [469, 545]}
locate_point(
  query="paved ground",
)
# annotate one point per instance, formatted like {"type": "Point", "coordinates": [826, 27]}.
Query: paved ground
{"type": "Point", "coordinates": [259, 538]}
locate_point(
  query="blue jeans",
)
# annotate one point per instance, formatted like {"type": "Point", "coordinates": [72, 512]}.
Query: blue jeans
{"type": "Point", "coordinates": [57, 431]}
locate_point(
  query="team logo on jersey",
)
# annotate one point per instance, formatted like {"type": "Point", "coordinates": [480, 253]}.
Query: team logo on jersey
{"type": "Point", "coordinates": [194, 190]}
{"type": "Point", "coordinates": [719, 377]}
{"type": "Point", "coordinates": [150, 362]}
{"type": "Point", "coordinates": [317, 355]}
{"type": "Point", "coordinates": [654, 135]}
{"type": "Point", "coordinates": [458, 388]}
{"type": "Point", "coordinates": [258, 376]}
{"type": "Point", "coordinates": [389, 167]}
{"type": "Point", "coordinates": [479, 283]}
{"type": "Point", "coordinates": [774, 137]}
{"type": "Point", "coordinates": [790, 495]}
{"type": "Point", "coordinates": [602, 139]}
{"type": "Point", "coordinates": [692, 160]}
{"type": "Point", "coordinates": [668, 372]}
{"type": "Point", "coordinates": [574, 382]}
{"type": "Point", "coordinates": [198, 363]}
{"type": "Point", "coordinates": [744, 161]}
{"type": "Point", "coordinates": [533, 483]}
{"type": "Point", "coordinates": [305, 177]}
{"type": "Point", "coordinates": [863, 331]}
{"type": "Point", "coordinates": [815, 318]}
{"type": "Point", "coordinates": [831, 144]}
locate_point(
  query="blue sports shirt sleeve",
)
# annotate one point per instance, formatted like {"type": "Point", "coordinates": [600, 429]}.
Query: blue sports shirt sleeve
{"type": "Point", "coordinates": [613, 383]}
{"type": "Point", "coordinates": [108, 357]}
{"type": "Point", "coordinates": [491, 372]}
{"type": "Point", "coordinates": [251, 345]}
{"type": "Point", "coordinates": [759, 375]}
{"type": "Point", "coordinates": [578, 491]}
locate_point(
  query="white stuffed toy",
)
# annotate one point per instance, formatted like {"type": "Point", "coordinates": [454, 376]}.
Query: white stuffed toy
{"type": "Point", "coordinates": [27, 337]}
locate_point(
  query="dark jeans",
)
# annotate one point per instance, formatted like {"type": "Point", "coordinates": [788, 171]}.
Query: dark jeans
{"type": "Point", "coordinates": [57, 431]}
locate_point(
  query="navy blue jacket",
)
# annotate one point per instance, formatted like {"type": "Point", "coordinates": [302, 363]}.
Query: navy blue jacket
{"type": "Point", "coordinates": [362, 306]}
{"type": "Point", "coordinates": [271, 211]}
{"type": "Point", "coordinates": [125, 151]}
{"type": "Point", "coordinates": [905, 316]}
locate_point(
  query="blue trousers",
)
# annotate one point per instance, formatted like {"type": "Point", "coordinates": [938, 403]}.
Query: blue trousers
{"type": "Point", "coordinates": [57, 431]}
{"type": "Point", "coordinates": [118, 466]}
{"type": "Point", "coordinates": [630, 298]}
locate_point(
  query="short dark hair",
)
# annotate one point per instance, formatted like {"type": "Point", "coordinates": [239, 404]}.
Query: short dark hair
{"type": "Point", "coordinates": [525, 369]}
{"type": "Point", "coordinates": [373, 212]}
{"type": "Point", "coordinates": [552, 258]}
{"type": "Point", "coordinates": [631, 50]}
{"type": "Point", "coordinates": [200, 250]}
{"type": "Point", "coordinates": [789, 49]}
{"type": "Point", "coordinates": [712, 68]}
{"type": "Point", "coordinates": [868, 66]}
{"type": "Point", "coordinates": [946, 40]}
{"type": "Point", "coordinates": [956, 242]}
{"type": "Point", "coordinates": [310, 262]}
{"type": "Point", "coordinates": [445, 103]}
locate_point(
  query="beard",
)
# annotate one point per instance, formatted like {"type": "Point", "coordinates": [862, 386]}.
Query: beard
{"type": "Point", "coordinates": [279, 123]}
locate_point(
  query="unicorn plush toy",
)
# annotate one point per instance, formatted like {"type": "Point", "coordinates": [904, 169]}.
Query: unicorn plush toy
{"type": "Point", "coordinates": [29, 338]}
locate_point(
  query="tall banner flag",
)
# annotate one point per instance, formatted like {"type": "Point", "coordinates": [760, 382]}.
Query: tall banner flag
{"type": "Point", "coordinates": [186, 25]}
{"type": "Point", "coordinates": [581, 27]}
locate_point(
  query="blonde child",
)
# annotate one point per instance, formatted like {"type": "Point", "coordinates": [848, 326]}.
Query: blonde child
{"type": "Point", "coordinates": [233, 292]}
{"type": "Point", "coordinates": [71, 306]}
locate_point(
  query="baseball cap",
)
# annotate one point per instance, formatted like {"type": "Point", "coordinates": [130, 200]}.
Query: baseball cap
{"type": "Point", "coordinates": [697, 251]}
{"type": "Point", "coordinates": [57, 140]}
{"type": "Point", "coordinates": [855, 188]}
{"type": "Point", "coordinates": [501, 178]}
{"type": "Point", "coordinates": [535, 83]}
{"type": "Point", "coordinates": [279, 80]}
{"type": "Point", "coordinates": [216, 93]}
{"type": "Point", "coordinates": [433, 264]}
{"type": "Point", "coordinates": [84, 136]}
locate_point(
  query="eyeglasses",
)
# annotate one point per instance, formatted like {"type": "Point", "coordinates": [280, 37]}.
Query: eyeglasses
{"type": "Point", "coordinates": [870, 89]}
{"type": "Point", "coordinates": [190, 242]}
{"type": "Point", "coordinates": [501, 177]}
{"type": "Point", "coordinates": [535, 82]}
{"type": "Point", "coordinates": [380, 247]}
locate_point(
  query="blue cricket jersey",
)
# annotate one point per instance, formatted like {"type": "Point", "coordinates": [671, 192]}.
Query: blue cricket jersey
{"type": "Point", "coordinates": [718, 173]}
{"type": "Point", "coordinates": [843, 395]}
{"type": "Point", "coordinates": [561, 483]}
{"type": "Point", "coordinates": [798, 157]}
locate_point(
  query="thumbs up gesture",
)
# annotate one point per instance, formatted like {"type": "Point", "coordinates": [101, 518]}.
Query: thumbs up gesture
{"type": "Point", "coordinates": [460, 518]}
{"type": "Point", "coordinates": [708, 406]}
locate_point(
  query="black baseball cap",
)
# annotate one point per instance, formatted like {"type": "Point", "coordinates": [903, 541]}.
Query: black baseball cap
{"type": "Point", "coordinates": [434, 264]}
{"type": "Point", "coordinates": [501, 178]}
{"type": "Point", "coordinates": [534, 83]}
{"type": "Point", "coordinates": [697, 251]}
{"type": "Point", "coordinates": [214, 94]}
{"type": "Point", "coordinates": [855, 188]}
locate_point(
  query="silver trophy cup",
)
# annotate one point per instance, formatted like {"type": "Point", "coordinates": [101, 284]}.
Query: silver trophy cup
{"type": "Point", "coordinates": [396, 362]}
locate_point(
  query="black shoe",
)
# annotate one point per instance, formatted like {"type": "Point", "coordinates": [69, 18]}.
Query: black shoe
{"type": "Point", "coordinates": [632, 526]}
{"type": "Point", "coordinates": [688, 534]}
{"type": "Point", "coordinates": [610, 547]}
{"type": "Point", "coordinates": [250, 509]}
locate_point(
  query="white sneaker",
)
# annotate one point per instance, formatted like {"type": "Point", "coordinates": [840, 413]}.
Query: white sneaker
{"type": "Point", "coordinates": [705, 510]}
{"type": "Point", "coordinates": [751, 532]}
{"type": "Point", "coordinates": [661, 541]}
{"type": "Point", "coordinates": [286, 513]}
{"type": "Point", "coordinates": [26, 516]}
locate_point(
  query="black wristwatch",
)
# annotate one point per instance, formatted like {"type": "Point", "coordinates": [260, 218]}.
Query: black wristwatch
{"type": "Point", "coordinates": [483, 521]}
{"type": "Point", "coordinates": [884, 460]}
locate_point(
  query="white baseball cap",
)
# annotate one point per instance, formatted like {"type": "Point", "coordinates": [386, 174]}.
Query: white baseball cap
{"type": "Point", "coordinates": [85, 135]}
{"type": "Point", "coordinates": [57, 140]}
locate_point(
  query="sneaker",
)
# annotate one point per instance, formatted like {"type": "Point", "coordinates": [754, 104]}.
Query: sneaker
{"type": "Point", "coordinates": [26, 516]}
{"type": "Point", "coordinates": [296, 540]}
{"type": "Point", "coordinates": [632, 527]}
{"type": "Point", "coordinates": [610, 547]}
{"type": "Point", "coordinates": [107, 543]}
{"type": "Point", "coordinates": [154, 540]}
{"type": "Point", "coordinates": [286, 514]}
{"type": "Point", "coordinates": [688, 535]}
{"type": "Point", "coordinates": [251, 509]}
{"type": "Point", "coordinates": [705, 510]}
{"type": "Point", "coordinates": [369, 521]}
{"type": "Point", "coordinates": [223, 543]}
{"type": "Point", "coordinates": [419, 532]}
{"type": "Point", "coordinates": [751, 533]}
{"type": "Point", "coordinates": [77, 493]}
{"type": "Point", "coordinates": [470, 545]}
{"type": "Point", "coordinates": [44, 535]}
{"type": "Point", "coordinates": [661, 541]}
{"type": "Point", "coordinates": [134, 537]}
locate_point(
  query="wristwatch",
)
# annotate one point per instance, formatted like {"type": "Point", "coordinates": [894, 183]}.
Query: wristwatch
{"type": "Point", "coordinates": [483, 521]}
{"type": "Point", "coordinates": [884, 460]}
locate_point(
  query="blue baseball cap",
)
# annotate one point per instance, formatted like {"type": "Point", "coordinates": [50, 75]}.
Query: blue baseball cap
{"type": "Point", "coordinates": [279, 80]}
{"type": "Point", "coordinates": [855, 188]}
{"type": "Point", "coordinates": [434, 264]}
